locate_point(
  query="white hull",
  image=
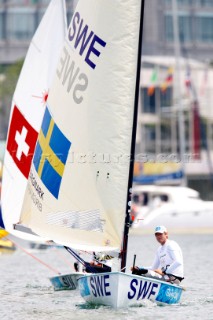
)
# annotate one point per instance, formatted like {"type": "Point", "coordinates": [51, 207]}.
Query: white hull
{"type": "Point", "coordinates": [66, 281]}
{"type": "Point", "coordinates": [121, 290]}
{"type": "Point", "coordinates": [182, 212]}
{"type": "Point", "coordinates": [176, 220]}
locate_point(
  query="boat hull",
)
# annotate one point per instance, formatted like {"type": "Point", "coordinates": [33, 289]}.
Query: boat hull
{"type": "Point", "coordinates": [121, 290]}
{"type": "Point", "coordinates": [177, 221]}
{"type": "Point", "coordinates": [180, 209]}
{"type": "Point", "coordinates": [66, 281]}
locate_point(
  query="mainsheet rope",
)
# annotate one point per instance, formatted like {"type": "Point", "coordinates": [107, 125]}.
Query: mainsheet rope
{"type": "Point", "coordinates": [82, 261]}
{"type": "Point", "coordinates": [34, 257]}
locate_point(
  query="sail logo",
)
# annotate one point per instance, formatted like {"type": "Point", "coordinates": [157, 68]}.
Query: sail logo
{"type": "Point", "coordinates": [169, 294]}
{"type": "Point", "coordinates": [51, 154]}
{"type": "Point", "coordinates": [85, 39]}
{"type": "Point", "coordinates": [21, 141]}
{"type": "Point", "coordinates": [172, 294]}
{"type": "Point", "coordinates": [74, 81]}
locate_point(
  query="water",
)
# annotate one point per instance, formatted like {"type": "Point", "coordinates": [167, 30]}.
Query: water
{"type": "Point", "coordinates": [26, 292]}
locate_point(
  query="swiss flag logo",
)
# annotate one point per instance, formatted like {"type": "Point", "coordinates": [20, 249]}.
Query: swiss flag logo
{"type": "Point", "coordinates": [21, 142]}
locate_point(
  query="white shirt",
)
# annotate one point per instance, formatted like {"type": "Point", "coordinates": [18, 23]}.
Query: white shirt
{"type": "Point", "coordinates": [169, 257]}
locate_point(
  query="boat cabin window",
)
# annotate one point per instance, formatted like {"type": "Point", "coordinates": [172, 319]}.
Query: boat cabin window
{"type": "Point", "coordinates": [145, 198]}
{"type": "Point", "coordinates": [158, 199]}
{"type": "Point", "coordinates": [135, 198]}
{"type": "Point", "coordinates": [161, 197]}
{"type": "Point", "coordinates": [140, 199]}
{"type": "Point", "coordinates": [164, 197]}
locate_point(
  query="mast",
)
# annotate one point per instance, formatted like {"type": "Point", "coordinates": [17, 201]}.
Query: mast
{"type": "Point", "coordinates": [132, 151]}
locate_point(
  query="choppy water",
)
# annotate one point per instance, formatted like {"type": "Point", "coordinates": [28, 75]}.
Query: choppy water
{"type": "Point", "coordinates": [26, 292]}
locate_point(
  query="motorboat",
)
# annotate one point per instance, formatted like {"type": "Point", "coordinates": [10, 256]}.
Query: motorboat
{"type": "Point", "coordinates": [180, 209]}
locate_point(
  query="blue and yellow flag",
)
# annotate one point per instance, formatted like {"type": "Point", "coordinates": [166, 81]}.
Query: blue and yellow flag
{"type": "Point", "coordinates": [51, 154]}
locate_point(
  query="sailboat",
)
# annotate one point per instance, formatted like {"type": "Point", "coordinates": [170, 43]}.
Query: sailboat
{"type": "Point", "coordinates": [180, 208]}
{"type": "Point", "coordinates": [83, 162]}
{"type": "Point", "coordinates": [67, 281]}
{"type": "Point", "coordinates": [27, 110]}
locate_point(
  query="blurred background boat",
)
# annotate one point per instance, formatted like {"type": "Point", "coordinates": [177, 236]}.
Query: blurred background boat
{"type": "Point", "coordinates": [6, 246]}
{"type": "Point", "coordinates": [179, 208]}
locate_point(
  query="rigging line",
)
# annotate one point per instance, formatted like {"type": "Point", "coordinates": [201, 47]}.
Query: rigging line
{"type": "Point", "coordinates": [63, 258]}
{"type": "Point", "coordinates": [34, 257]}
{"type": "Point", "coordinates": [75, 255]}
{"type": "Point", "coordinates": [82, 261]}
{"type": "Point", "coordinates": [96, 260]}
{"type": "Point", "coordinates": [90, 254]}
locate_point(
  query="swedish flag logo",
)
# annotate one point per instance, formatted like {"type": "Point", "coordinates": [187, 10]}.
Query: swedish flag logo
{"type": "Point", "coordinates": [51, 154]}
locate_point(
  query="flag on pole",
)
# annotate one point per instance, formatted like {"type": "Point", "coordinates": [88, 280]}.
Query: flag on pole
{"type": "Point", "coordinates": [153, 81]}
{"type": "Point", "coordinates": [188, 82]}
{"type": "Point", "coordinates": [196, 130]}
{"type": "Point", "coordinates": [168, 80]}
{"type": "Point", "coordinates": [196, 121]}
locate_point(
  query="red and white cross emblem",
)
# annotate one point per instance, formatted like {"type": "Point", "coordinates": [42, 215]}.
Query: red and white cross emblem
{"type": "Point", "coordinates": [21, 141]}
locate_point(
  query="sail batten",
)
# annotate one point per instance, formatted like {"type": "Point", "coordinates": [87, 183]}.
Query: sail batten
{"type": "Point", "coordinates": [91, 103]}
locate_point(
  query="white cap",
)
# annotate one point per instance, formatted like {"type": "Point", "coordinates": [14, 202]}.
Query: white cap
{"type": "Point", "coordinates": [160, 229]}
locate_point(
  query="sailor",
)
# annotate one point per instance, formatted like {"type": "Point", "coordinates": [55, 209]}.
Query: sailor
{"type": "Point", "coordinates": [101, 263]}
{"type": "Point", "coordinates": [168, 262]}
{"type": "Point", "coordinates": [78, 266]}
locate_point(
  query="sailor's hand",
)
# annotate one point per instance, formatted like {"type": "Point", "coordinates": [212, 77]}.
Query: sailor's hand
{"type": "Point", "coordinates": [134, 268]}
{"type": "Point", "coordinates": [159, 271]}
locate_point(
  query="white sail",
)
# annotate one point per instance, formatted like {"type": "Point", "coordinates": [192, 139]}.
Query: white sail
{"type": "Point", "coordinates": [81, 162]}
{"type": "Point", "coordinates": [28, 108]}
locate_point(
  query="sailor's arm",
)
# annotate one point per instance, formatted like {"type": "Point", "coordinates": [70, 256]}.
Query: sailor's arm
{"type": "Point", "coordinates": [177, 260]}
